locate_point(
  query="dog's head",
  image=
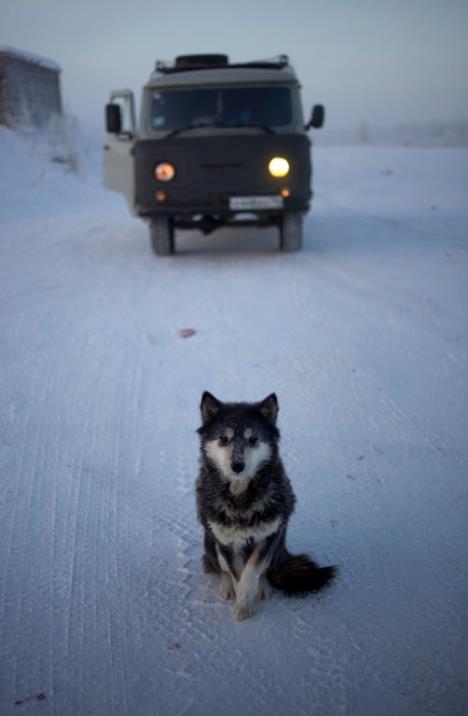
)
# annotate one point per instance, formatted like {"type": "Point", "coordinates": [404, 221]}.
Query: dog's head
{"type": "Point", "coordinates": [239, 438]}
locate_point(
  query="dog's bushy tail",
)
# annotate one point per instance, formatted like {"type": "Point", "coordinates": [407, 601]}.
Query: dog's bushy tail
{"type": "Point", "coordinates": [297, 575]}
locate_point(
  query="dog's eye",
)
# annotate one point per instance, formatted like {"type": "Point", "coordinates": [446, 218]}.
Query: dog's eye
{"type": "Point", "coordinates": [253, 440]}
{"type": "Point", "coordinates": [223, 440]}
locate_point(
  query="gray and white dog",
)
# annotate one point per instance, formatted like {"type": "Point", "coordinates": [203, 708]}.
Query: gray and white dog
{"type": "Point", "coordinates": [244, 502]}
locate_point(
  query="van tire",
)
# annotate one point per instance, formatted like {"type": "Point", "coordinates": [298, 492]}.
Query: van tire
{"type": "Point", "coordinates": [162, 235]}
{"type": "Point", "coordinates": [291, 231]}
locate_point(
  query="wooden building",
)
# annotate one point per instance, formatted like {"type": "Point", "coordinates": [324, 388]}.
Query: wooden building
{"type": "Point", "coordinates": [29, 89]}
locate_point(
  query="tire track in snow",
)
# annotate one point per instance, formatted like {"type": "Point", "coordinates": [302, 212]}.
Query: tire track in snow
{"type": "Point", "coordinates": [198, 612]}
{"type": "Point", "coordinates": [355, 413]}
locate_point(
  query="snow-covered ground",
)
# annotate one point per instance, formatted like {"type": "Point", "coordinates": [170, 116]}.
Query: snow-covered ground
{"type": "Point", "coordinates": [104, 609]}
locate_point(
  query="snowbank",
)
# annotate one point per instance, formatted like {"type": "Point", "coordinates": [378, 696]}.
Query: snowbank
{"type": "Point", "coordinates": [45, 170]}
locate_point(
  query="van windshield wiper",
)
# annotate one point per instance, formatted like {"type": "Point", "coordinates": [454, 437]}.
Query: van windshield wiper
{"type": "Point", "coordinates": [191, 126]}
{"type": "Point", "coordinates": [263, 127]}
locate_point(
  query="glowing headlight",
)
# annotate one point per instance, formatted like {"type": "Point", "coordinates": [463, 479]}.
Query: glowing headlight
{"type": "Point", "coordinates": [164, 171]}
{"type": "Point", "coordinates": [278, 167]}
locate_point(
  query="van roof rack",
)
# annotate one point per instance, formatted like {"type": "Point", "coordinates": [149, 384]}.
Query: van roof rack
{"type": "Point", "coordinates": [187, 63]}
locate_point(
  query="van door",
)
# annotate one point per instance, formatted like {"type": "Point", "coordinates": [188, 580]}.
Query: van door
{"type": "Point", "coordinates": [118, 162]}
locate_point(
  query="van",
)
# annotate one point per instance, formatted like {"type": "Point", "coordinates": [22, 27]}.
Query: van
{"type": "Point", "coordinates": [218, 143]}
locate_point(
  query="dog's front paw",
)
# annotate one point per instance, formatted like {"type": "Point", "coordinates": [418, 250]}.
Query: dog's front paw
{"type": "Point", "coordinates": [263, 591]}
{"type": "Point", "coordinates": [226, 592]}
{"type": "Point", "coordinates": [244, 612]}
{"type": "Point", "coordinates": [226, 587]}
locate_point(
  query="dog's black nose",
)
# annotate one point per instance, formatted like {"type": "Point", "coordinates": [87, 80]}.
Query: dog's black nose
{"type": "Point", "coordinates": [237, 466]}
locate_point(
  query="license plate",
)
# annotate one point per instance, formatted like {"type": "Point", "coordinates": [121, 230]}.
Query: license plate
{"type": "Point", "coordinates": [245, 203]}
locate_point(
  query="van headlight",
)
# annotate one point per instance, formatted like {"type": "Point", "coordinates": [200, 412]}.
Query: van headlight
{"type": "Point", "coordinates": [278, 167]}
{"type": "Point", "coordinates": [165, 171]}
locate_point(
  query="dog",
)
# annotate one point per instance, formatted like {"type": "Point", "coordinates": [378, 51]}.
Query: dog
{"type": "Point", "coordinates": [244, 502]}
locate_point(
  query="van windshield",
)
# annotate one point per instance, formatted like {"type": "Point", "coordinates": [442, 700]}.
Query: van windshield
{"type": "Point", "coordinates": [226, 107]}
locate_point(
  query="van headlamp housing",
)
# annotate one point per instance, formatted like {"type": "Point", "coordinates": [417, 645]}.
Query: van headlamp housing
{"type": "Point", "coordinates": [278, 167]}
{"type": "Point", "coordinates": [164, 171]}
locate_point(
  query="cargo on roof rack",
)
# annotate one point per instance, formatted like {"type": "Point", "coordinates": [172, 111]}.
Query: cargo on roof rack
{"type": "Point", "coordinates": [185, 63]}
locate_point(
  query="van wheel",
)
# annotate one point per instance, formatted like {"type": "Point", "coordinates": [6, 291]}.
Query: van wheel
{"type": "Point", "coordinates": [291, 231]}
{"type": "Point", "coordinates": [162, 235]}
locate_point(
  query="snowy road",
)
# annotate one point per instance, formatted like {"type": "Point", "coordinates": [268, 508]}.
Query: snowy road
{"type": "Point", "coordinates": [103, 606]}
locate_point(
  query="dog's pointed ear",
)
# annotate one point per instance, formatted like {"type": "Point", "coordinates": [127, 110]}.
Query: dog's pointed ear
{"type": "Point", "coordinates": [209, 406]}
{"type": "Point", "coordinates": [269, 408]}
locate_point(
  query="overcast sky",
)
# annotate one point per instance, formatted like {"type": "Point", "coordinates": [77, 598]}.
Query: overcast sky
{"type": "Point", "coordinates": [382, 61]}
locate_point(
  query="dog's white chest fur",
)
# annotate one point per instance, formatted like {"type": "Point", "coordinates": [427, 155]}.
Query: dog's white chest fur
{"type": "Point", "coordinates": [233, 534]}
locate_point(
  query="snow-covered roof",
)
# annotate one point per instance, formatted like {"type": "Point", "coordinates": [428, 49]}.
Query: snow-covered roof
{"type": "Point", "coordinates": [30, 57]}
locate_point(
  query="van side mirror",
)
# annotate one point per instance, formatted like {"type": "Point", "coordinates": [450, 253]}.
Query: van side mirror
{"type": "Point", "coordinates": [317, 117]}
{"type": "Point", "coordinates": [113, 119]}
